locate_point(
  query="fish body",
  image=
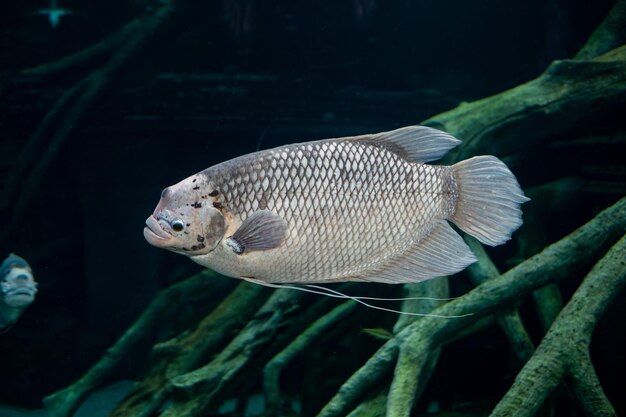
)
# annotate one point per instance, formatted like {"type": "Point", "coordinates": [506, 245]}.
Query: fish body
{"type": "Point", "coordinates": [363, 208]}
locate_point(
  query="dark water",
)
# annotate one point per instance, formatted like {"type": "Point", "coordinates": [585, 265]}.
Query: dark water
{"type": "Point", "coordinates": [222, 79]}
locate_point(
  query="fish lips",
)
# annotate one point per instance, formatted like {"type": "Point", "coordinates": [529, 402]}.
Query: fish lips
{"type": "Point", "coordinates": [156, 235]}
{"type": "Point", "coordinates": [20, 297]}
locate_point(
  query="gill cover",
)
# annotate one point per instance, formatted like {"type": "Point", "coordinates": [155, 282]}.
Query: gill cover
{"type": "Point", "coordinates": [214, 228]}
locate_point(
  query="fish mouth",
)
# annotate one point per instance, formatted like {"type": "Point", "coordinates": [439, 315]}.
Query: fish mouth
{"type": "Point", "coordinates": [23, 291]}
{"type": "Point", "coordinates": [155, 234]}
{"type": "Point", "coordinates": [20, 297]}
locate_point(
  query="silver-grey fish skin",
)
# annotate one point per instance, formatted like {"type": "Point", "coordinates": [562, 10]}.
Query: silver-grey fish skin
{"type": "Point", "coordinates": [350, 208]}
{"type": "Point", "coordinates": [365, 208]}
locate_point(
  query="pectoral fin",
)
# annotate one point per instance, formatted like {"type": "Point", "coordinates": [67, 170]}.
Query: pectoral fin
{"type": "Point", "coordinates": [262, 230]}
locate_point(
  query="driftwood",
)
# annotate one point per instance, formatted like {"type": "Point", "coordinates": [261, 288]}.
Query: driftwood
{"type": "Point", "coordinates": [197, 371]}
{"type": "Point", "coordinates": [553, 263]}
{"type": "Point", "coordinates": [273, 368]}
{"type": "Point", "coordinates": [564, 351]}
{"type": "Point", "coordinates": [532, 113]}
{"type": "Point", "coordinates": [508, 319]}
{"type": "Point", "coordinates": [161, 310]}
{"type": "Point", "coordinates": [569, 90]}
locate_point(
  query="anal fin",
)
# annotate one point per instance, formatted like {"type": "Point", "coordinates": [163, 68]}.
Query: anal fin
{"type": "Point", "coordinates": [441, 252]}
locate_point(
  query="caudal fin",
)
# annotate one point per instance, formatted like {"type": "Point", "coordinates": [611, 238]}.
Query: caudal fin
{"type": "Point", "coordinates": [489, 199]}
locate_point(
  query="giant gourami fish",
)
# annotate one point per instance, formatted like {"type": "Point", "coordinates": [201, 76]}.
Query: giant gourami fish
{"type": "Point", "coordinates": [361, 208]}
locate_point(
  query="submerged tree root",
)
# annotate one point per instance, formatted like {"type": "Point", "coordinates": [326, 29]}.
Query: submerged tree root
{"type": "Point", "coordinates": [187, 351]}
{"type": "Point", "coordinates": [553, 263]}
{"type": "Point", "coordinates": [196, 391]}
{"type": "Point", "coordinates": [564, 351]}
{"type": "Point", "coordinates": [508, 319]}
{"type": "Point", "coordinates": [535, 112]}
{"type": "Point", "coordinates": [161, 310]}
{"type": "Point", "coordinates": [271, 373]}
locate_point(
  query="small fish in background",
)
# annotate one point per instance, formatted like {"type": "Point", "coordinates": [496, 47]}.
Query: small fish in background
{"type": "Point", "coordinates": [379, 333]}
{"type": "Point", "coordinates": [54, 13]}
{"type": "Point", "coordinates": [362, 208]}
{"type": "Point", "coordinates": [17, 289]}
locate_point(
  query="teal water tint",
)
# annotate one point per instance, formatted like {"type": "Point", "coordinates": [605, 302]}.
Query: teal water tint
{"type": "Point", "coordinates": [83, 162]}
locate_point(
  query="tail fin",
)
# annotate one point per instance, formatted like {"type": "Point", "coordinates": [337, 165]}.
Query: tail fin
{"type": "Point", "coordinates": [489, 199]}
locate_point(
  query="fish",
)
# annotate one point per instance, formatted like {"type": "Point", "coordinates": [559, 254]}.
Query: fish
{"type": "Point", "coordinates": [17, 289]}
{"type": "Point", "coordinates": [365, 208]}
{"type": "Point", "coordinates": [54, 13]}
{"type": "Point", "coordinates": [379, 333]}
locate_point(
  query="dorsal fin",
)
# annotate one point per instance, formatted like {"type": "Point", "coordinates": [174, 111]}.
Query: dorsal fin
{"type": "Point", "coordinates": [413, 143]}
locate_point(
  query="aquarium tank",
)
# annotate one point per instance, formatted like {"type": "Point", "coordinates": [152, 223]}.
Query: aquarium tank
{"type": "Point", "coordinates": [318, 208]}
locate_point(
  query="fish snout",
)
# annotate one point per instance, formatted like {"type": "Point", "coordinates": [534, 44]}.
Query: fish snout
{"type": "Point", "coordinates": [20, 296]}
{"type": "Point", "coordinates": [19, 290]}
{"type": "Point", "coordinates": [156, 235]}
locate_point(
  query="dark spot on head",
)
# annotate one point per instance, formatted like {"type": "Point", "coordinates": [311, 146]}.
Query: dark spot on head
{"type": "Point", "coordinates": [196, 187]}
{"type": "Point", "coordinates": [217, 205]}
{"type": "Point", "coordinates": [213, 193]}
{"type": "Point", "coordinates": [196, 205]}
{"type": "Point", "coordinates": [200, 238]}
{"type": "Point", "coordinates": [195, 247]}
{"type": "Point", "coordinates": [194, 180]}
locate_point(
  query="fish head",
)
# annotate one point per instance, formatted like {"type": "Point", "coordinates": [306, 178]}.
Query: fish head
{"type": "Point", "coordinates": [17, 284]}
{"type": "Point", "coordinates": [187, 219]}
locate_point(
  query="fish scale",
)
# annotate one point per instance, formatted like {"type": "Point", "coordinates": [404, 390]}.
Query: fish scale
{"type": "Point", "coordinates": [363, 208]}
{"type": "Point", "coordinates": [367, 198]}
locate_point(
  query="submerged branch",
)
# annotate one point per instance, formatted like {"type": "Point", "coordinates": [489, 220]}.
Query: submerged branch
{"type": "Point", "coordinates": [609, 35]}
{"type": "Point", "coordinates": [63, 403]}
{"type": "Point", "coordinates": [508, 319]}
{"type": "Point", "coordinates": [186, 352]}
{"type": "Point", "coordinates": [532, 113]}
{"type": "Point", "coordinates": [553, 263]}
{"type": "Point", "coordinates": [273, 368]}
{"type": "Point", "coordinates": [70, 62]}
{"type": "Point", "coordinates": [565, 348]}
{"type": "Point", "coordinates": [195, 391]}
{"type": "Point", "coordinates": [408, 384]}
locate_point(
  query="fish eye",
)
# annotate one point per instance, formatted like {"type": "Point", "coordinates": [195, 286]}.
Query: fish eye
{"type": "Point", "coordinates": [178, 225]}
